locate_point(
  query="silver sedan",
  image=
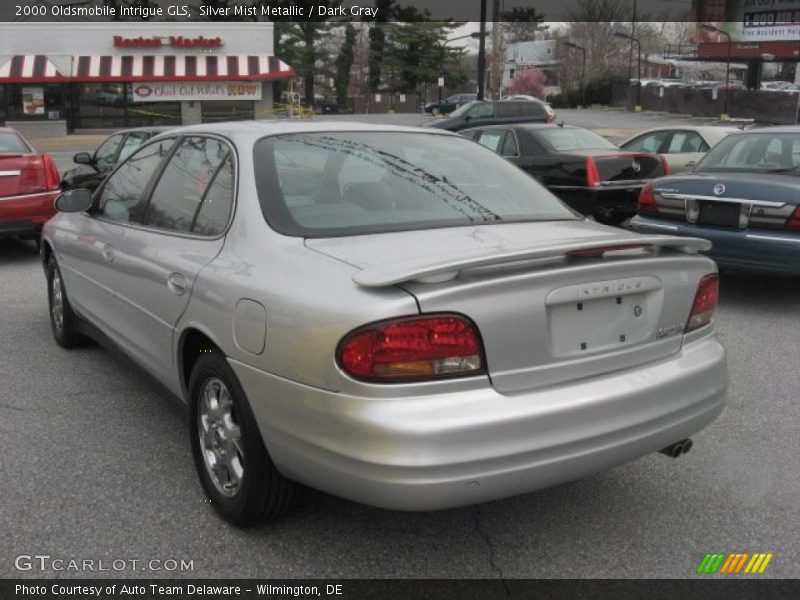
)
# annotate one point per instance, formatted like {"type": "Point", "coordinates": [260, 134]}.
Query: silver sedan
{"type": "Point", "coordinates": [393, 315]}
{"type": "Point", "coordinates": [682, 146]}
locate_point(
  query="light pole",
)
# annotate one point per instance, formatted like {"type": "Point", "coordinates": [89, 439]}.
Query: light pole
{"type": "Point", "coordinates": [625, 36]}
{"type": "Point", "coordinates": [583, 68]}
{"type": "Point", "coordinates": [482, 52]}
{"type": "Point", "coordinates": [711, 29]}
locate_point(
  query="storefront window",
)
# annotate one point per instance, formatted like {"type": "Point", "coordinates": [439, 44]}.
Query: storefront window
{"type": "Point", "coordinates": [31, 102]}
{"type": "Point", "coordinates": [221, 110]}
{"type": "Point", "coordinates": [104, 105]}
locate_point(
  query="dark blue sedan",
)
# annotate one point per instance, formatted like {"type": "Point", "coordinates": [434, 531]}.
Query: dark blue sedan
{"type": "Point", "coordinates": [744, 196]}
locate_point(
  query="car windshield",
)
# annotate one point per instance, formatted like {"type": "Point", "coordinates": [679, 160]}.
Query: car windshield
{"type": "Point", "coordinates": [755, 152]}
{"type": "Point", "coordinates": [573, 139]}
{"type": "Point", "coordinates": [333, 184]}
{"type": "Point", "coordinates": [10, 143]}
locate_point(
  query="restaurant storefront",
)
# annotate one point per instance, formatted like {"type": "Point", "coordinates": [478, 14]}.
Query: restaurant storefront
{"type": "Point", "coordinates": [112, 75]}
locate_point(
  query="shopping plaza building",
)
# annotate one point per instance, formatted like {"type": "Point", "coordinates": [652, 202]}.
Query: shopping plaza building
{"type": "Point", "coordinates": [92, 75]}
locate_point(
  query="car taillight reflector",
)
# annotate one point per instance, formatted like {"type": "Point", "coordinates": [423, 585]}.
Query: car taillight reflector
{"type": "Point", "coordinates": [794, 220]}
{"type": "Point", "coordinates": [592, 174]}
{"type": "Point", "coordinates": [647, 200]}
{"type": "Point", "coordinates": [51, 176]}
{"type": "Point", "coordinates": [412, 348]}
{"type": "Point", "coordinates": [705, 301]}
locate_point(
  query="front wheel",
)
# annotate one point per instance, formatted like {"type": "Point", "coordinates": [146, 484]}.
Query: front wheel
{"type": "Point", "coordinates": [232, 461]}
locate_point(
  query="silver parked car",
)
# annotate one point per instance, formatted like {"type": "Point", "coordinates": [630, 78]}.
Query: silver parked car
{"type": "Point", "coordinates": [682, 146]}
{"type": "Point", "coordinates": [393, 315]}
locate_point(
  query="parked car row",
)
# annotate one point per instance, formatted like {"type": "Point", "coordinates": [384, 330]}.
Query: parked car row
{"type": "Point", "coordinates": [398, 316]}
{"type": "Point", "coordinates": [435, 311]}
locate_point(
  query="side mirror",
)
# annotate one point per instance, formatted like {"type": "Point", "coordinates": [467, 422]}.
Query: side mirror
{"type": "Point", "coordinates": [83, 158]}
{"type": "Point", "coordinates": [467, 118]}
{"type": "Point", "coordinates": [74, 201]}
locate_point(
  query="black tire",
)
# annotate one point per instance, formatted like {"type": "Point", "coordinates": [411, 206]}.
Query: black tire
{"type": "Point", "coordinates": [65, 327]}
{"type": "Point", "coordinates": [262, 494]}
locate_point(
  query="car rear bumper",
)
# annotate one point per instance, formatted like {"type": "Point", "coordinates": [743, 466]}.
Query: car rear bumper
{"type": "Point", "coordinates": [764, 250]}
{"type": "Point", "coordinates": [27, 213]}
{"type": "Point", "coordinates": [460, 448]}
{"type": "Point", "coordinates": [601, 200]}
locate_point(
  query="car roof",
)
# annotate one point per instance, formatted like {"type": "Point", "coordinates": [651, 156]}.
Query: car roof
{"type": "Point", "coordinates": [285, 126]}
{"type": "Point", "coordinates": [531, 126]}
{"type": "Point", "coordinates": [155, 128]}
{"type": "Point", "coordinates": [775, 129]}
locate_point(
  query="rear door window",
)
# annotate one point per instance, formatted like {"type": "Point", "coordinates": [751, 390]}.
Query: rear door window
{"type": "Point", "coordinates": [532, 109]}
{"type": "Point", "coordinates": [179, 195]}
{"type": "Point", "coordinates": [492, 139]}
{"type": "Point", "coordinates": [651, 142]}
{"type": "Point", "coordinates": [509, 109]}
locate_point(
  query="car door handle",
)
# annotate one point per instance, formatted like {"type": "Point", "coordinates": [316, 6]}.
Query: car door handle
{"type": "Point", "coordinates": [108, 253]}
{"type": "Point", "coordinates": [177, 283]}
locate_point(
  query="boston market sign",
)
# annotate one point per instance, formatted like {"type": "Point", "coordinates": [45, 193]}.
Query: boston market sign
{"type": "Point", "coordinates": [173, 41]}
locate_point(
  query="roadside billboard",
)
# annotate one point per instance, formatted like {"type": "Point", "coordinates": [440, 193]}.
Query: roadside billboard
{"type": "Point", "coordinates": [748, 20]}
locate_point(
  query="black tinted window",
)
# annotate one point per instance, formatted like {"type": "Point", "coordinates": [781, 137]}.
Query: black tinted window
{"type": "Point", "coordinates": [176, 200]}
{"type": "Point", "coordinates": [509, 109]}
{"type": "Point", "coordinates": [121, 196]}
{"type": "Point", "coordinates": [532, 109]}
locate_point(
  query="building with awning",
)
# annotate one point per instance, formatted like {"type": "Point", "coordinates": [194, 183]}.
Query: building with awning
{"type": "Point", "coordinates": [92, 75]}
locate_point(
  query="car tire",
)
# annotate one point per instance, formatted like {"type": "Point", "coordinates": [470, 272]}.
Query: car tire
{"type": "Point", "coordinates": [63, 320]}
{"type": "Point", "coordinates": [245, 488]}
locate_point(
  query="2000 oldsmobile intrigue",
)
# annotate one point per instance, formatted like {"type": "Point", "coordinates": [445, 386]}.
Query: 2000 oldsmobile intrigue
{"type": "Point", "coordinates": [393, 315]}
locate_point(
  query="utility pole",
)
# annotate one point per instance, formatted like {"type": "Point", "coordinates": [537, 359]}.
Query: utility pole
{"type": "Point", "coordinates": [496, 77]}
{"type": "Point", "coordinates": [633, 34]}
{"type": "Point", "coordinates": [482, 53]}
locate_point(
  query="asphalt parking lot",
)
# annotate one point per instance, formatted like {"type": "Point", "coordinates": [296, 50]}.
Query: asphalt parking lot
{"type": "Point", "coordinates": [97, 465]}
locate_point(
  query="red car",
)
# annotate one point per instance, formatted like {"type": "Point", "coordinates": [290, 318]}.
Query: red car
{"type": "Point", "coordinates": [29, 184]}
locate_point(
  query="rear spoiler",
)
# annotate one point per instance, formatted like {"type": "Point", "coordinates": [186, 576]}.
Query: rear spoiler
{"type": "Point", "coordinates": [430, 271]}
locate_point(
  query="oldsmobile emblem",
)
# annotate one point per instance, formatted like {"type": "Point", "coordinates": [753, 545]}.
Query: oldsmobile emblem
{"type": "Point", "coordinates": [636, 166]}
{"type": "Point", "coordinates": [719, 189]}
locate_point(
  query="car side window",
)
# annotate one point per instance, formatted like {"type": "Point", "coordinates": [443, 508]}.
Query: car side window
{"type": "Point", "coordinates": [648, 143]}
{"type": "Point", "coordinates": [509, 109]}
{"type": "Point", "coordinates": [481, 110]}
{"type": "Point", "coordinates": [694, 143]}
{"type": "Point", "coordinates": [492, 139]}
{"type": "Point", "coordinates": [131, 143]}
{"type": "Point", "coordinates": [107, 151]}
{"type": "Point", "coordinates": [510, 147]}
{"type": "Point", "coordinates": [532, 109]}
{"type": "Point", "coordinates": [217, 203]}
{"type": "Point", "coordinates": [122, 196]}
{"type": "Point", "coordinates": [176, 200]}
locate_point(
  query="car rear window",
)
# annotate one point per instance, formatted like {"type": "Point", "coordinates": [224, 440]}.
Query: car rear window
{"type": "Point", "coordinates": [573, 139]}
{"type": "Point", "coordinates": [11, 143]}
{"type": "Point", "coordinates": [332, 184]}
{"type": "Point", "coordinates": [757, 151]}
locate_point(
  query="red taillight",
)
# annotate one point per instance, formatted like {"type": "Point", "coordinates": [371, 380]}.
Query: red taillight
{"type": "Point", "coordinates": [794, 220]}
{"type": "Point", "coordinates": [412, 348]}
{"type": "Point", "coordinates": [647, 200]}
{"type": "Point", "coordinates": [51, 177]}
{"type": "Point", "coordinates": [705, 301]}
{"type": "Point", "coordinates": [665, 165]}
{"type": "Point", "coordinates": [592, 174]}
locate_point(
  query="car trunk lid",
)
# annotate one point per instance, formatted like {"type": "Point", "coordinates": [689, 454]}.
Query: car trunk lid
{"type": "Point", "coordinates": [22, 174]}
{"type": "Point", "coordinates": [730, 200]}
{"type": "Point", "coordinates": [552, 301]}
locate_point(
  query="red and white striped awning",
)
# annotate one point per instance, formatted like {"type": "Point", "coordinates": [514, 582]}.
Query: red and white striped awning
{"type": "Point", "coordinates": [180, 67]}
{"type": "Point", "coordinates": [30, 68]}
